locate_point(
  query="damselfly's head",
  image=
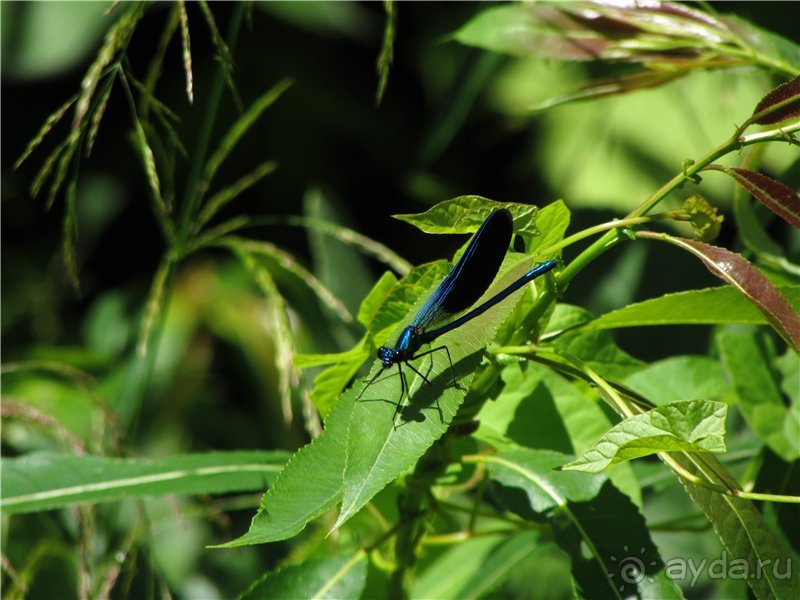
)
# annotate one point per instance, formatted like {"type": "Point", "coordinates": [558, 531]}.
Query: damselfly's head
{"type": "Point", "coordinates": [387, 356]}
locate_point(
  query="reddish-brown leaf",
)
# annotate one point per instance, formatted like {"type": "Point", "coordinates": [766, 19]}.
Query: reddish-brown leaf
{"type": "Point", "coordinates": [779, 198]}
{"type": "Point", "coordinates": [738, 272]}
{"type": "Point", "coordinates": [780, 104]}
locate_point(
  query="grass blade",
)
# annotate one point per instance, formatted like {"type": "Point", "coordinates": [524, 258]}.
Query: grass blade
{"type": "Point", "coordinates": [48, 125]}
{"type": "Point", "coordinates": [239, 128]}
{"type": "Point", "coordinates": [187, 49]}
{"type": "Point", "coordinates": [226, 194]}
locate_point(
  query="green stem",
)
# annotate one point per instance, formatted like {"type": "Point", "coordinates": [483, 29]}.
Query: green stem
{"type": "Point", "coordinates": [210, 110]}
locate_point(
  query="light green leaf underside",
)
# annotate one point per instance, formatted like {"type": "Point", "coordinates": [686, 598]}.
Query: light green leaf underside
{"type": "Point", "coordinates": [47, 480]}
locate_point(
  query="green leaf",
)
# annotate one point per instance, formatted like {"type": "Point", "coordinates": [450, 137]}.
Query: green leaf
{"type": "Point", "coordinates": [709, 306]}
{"type": "Point", "coordinates": [748, 538]}
{"type": "Point", "coordinates": [691, 426]}
{"type": "Point", "coordinates": [377, 451]}
{"type": "Point", "coordinates": [309, 485]}
{"type": "Point", "coordinates": [448, 575]}
{"type": "Point", "coordinates": [552, 221]}
{"type": "Point", "coordinates": [465, 214]}
{"type": "Point", "coordinates": [524, 414]}
{"type": "Point", "coordinates": [612, 553]}
{"type": "Point", "coordinates": [528, 480]}
{"type": "Point", "coordinates": [498, 565]}
{"type": "Point", "coordinates": [375, 299]}
{"type": "Point", "coordinates": [592, 521]}
{"type": "Point", "coordinates": [597, 349]}
{"type": "Point", "coordinates": [44, 481]}
{"type": "Point", "coordinates": [748, 361]}
{"type": "Point", "coordinates": [321, 577]}
{"type": "Point", "coordinates": [329, 384]}
{"type": "Point", "coordinates": [681, 378]}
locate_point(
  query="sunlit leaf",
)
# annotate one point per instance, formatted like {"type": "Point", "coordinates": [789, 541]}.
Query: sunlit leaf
{"type": "Point", "coordinates": [691, 426]}
{"type": "Point", "coordinates": [466, 213]}
{"type": "Point", "coordinates": [44, 481]}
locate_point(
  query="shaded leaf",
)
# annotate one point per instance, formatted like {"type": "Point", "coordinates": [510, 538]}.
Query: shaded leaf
{"type": "Point", "coordinates": [342, 576]}
{"type": "Point", "coordinates": [780, 104]}
{"type": "Point", "coordinates": [592, 521]}
{"type": "Point", "coordinates": [681, 378]}
{"type": "Point", "coordinates": [691, 426]}
{"type": "Point", "coordinates": [535, 474]}
{"type": "Point", "coordinates": [779, 198]}
{"type": "Point", "coordinates": [746, 535]}
{"type": "Point", "coordinates": [44, 481]}
{"type": "Point", "coordinates": [612, 553]}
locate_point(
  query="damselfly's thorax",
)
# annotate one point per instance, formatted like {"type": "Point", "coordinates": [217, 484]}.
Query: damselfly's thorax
{"type": "Point", "coordinates": [407, 345]}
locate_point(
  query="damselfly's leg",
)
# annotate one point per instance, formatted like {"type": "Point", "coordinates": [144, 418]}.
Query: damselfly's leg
{"type": "Point", "coordinates": [370, 382]}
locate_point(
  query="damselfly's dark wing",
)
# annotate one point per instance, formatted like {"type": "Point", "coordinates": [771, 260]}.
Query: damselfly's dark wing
{"type": "Point", "coordinates": [473, 273]}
